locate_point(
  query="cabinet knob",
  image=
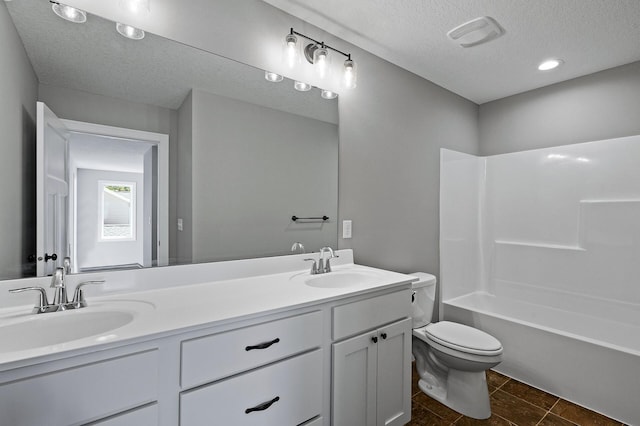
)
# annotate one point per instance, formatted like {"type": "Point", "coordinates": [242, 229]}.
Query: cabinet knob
{"type": "Point", "coordinates": [374, 339]}
{"type": "Point", "coordinates": [383, 335]}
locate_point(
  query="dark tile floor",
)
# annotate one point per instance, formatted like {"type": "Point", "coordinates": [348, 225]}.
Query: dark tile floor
{"type": "Point", "coordinates": [512, 404]}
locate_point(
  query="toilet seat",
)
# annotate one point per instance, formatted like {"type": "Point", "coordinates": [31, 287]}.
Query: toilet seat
{"type": "Point", "coordinates": [460, 337]}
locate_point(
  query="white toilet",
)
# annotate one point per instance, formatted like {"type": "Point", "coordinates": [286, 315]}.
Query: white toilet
{"type": "Point", "coordinates": [451, 358]}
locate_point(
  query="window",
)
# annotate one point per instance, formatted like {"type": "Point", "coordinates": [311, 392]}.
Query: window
{"type": "Point", "coordinates": [117, 211]}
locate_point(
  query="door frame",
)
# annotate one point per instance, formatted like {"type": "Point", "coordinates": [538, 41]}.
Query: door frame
{"type": "Point", "coordinates": [161, 140]}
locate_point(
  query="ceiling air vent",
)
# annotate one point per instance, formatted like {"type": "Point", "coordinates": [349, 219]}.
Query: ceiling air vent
{"type": "Point", "coordinates": [476, 31]}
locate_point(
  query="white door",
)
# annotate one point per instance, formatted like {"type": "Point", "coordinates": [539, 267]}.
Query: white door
{"type": "Point", "coordinates": [354, 381]}
{"type": "Point", "coordinates": [52, 190]}
{"type": "Point", "coordinates": [394, 374]}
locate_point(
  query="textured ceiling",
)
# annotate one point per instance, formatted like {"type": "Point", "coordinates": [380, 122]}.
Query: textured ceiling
{"type": "Point", "coordinates": [94, 58]}
{"type": "Point", "coordinates": [589, 35]}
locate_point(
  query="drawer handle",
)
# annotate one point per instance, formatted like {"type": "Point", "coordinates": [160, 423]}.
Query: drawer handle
{"type": "Point", "coordinates": [374, 339]}
{"type": "Point", "coordinates": [262, 406]}
{"type": "Point", "coordinates": [264, 345]}
{"type": "Point", "coordinates": [383, 335]}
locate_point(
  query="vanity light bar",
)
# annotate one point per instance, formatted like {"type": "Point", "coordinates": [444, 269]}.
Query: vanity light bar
{"type": "Point", "coordinates": [317, 54]}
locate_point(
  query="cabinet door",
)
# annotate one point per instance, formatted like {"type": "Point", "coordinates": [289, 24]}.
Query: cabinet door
{"type": "Point", "coordinates": [354, 381]}
{"type": "Point", "coordinates": [394, 374]}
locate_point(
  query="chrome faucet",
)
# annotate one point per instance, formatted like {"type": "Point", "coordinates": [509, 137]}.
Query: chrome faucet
{"type": "Point", "coordinates": [298, 246]}
{"type": "Point", "coordinates": [60, 300]}
{"type": "Point", "coordinates": [325, 266]}
{"type": "Point", "coordinates": [60, 292]}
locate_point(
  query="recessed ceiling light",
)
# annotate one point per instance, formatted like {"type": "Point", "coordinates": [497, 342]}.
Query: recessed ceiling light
{"type": "Point", "coordinates": [301, 87]}
{"type": "Point", "coordinates": [550, 64]}
{"type": "Point", "coordinates": [69, 13]}
{"type": "Point", "coordinates": [273, 77]}
{"type": "Point", "coordinates": [130, 32]}
{"type": "Point", "coordinates": [328, 94]}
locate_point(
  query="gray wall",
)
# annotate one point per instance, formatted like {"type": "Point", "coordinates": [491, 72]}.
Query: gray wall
{"type": "Point", "coordinates": [252, 169]}
{"type": "Point", "coordinates": [82, 106]}
{"type": "Point", "coordinates": [18, 89]}
{"type": "Point", "coordinates": [391, 130]}
{"type": "Point", "coordinates": [184, 252]}
{"type": "Point", "coordinates": [599, 106]}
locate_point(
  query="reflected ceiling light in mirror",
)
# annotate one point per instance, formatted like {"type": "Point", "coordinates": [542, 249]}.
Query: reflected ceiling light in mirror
{"type": "Point", "coordinates": [129, 32]}
{"type": "Point", "coordinates": [318, 53]}
{"type": "Point", "coordinates": [136, 7]}
{"type": "Point", "coordinates": [301, 87]}
{"type": "Point", "coordinates": [328, 94]}
{"type": "Point", "coordinates": [273, 77]}
{"type": "Point", "coordinates": [550, 64]}
{"type": "Point", "coordinates": [69, 13]}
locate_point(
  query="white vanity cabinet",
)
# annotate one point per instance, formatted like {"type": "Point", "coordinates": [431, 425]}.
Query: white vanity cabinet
{"type": "Point", "coordinates": [371, 380]}
{"type": "Point", "coordinates": [265, 374]}
{"type": "Point", "coordinates": [55, 394]}
{"type": "Point", "coordinates": [296, 355]}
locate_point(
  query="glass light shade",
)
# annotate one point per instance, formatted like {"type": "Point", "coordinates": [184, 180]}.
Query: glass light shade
{"type": "Point", "coordinates": [291, 51]}
{"type": "Point", "coordinates": [328, 94]}
{"type": "Point", "coordinates": [69, 13]}
{"type": "Point", "coordinates": [137, 7]}
{"type": "Point", "coordinates": [301, 87]}
{"type": "Point", "coordinates": [321, 61]}
{"type": "Point", "coordinates": [130, 32]}
{"type": "Point", "coordinates": [273, 77]}
{"type": "Point", "coordinates": [350, 74]}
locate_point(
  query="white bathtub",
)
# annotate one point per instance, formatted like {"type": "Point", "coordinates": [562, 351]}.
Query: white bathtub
{"type": "Point", "coordinates": [565, 347]}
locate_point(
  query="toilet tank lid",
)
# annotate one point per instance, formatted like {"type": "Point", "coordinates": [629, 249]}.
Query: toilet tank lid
{"type": "Point", "coordinates": [424, 280]}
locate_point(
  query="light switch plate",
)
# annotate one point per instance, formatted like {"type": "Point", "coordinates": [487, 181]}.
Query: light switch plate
{"type": "Point", "coordinates": [346, 229]}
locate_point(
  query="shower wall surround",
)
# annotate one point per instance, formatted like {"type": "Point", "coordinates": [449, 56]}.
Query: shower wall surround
{"type": "Point", "coordinates": [562, 220]}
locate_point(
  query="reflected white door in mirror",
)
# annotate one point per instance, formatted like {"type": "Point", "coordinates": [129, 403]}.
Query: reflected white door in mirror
{"type": "Point", "coordinates": [102, 195]}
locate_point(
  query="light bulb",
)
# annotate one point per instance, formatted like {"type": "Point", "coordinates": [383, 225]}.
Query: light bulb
{"type": "Point", "coordinates": [301, 87]}
{"type": "Point", "coordinates": [129, 32]}
{"type": "Point", "coordinates": [69, 13]}
{"type": "Point", "coordinates": [291, 50]}
{"type": "Point", "coordinates": [328, 94]}
{"type": "Point", "coordinates": [321, 61]}
{"type": "Point", "coordinates": [350, 74]}
{"type": "Point", "coordinates": [136, 7]}
{"type": "Point", "coordinates": [273, 77]}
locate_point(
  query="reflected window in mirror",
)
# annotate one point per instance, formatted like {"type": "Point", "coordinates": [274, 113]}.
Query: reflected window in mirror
{"type": "Point", "coordinates": [117, 211]}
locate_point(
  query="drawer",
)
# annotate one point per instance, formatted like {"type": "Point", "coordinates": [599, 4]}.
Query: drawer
{"type": "Point", "coordinates": [144, 416]}
{"type": "Point", "coordinates": [356, 317]}
{"type": "Point", "coordinates": [294, 387]}
{"type": "Point", "coordinates": [80, 394]}
{"type": "Point", "coordinates": [214, 357]}
{"type": "Point", "coordinates": [315, 422]}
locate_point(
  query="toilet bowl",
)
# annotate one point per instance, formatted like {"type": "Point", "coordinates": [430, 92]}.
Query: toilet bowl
{"type": "Point", "coordinates": [451, 358]}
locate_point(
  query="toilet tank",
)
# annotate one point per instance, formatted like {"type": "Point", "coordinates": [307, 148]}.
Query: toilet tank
{"type": "Point", "coordinates": [424, 299]}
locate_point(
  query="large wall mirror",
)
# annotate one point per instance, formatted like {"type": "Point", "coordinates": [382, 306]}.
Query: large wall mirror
{"type": "Point", "coordinates": [161, 153]}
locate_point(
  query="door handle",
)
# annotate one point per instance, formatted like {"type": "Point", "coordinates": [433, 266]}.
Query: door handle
{"type": "Point", "coordinates": [50, 257]}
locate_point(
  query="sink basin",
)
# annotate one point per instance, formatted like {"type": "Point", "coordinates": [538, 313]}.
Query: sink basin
{"type": "Point", "coordinates": [340, 279]}
{"type": "Point", "coordinates": [35, 331]}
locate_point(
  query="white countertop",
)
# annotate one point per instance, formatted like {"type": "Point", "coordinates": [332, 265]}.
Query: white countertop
{"type": "Point", "coordinates": [178, 309]}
